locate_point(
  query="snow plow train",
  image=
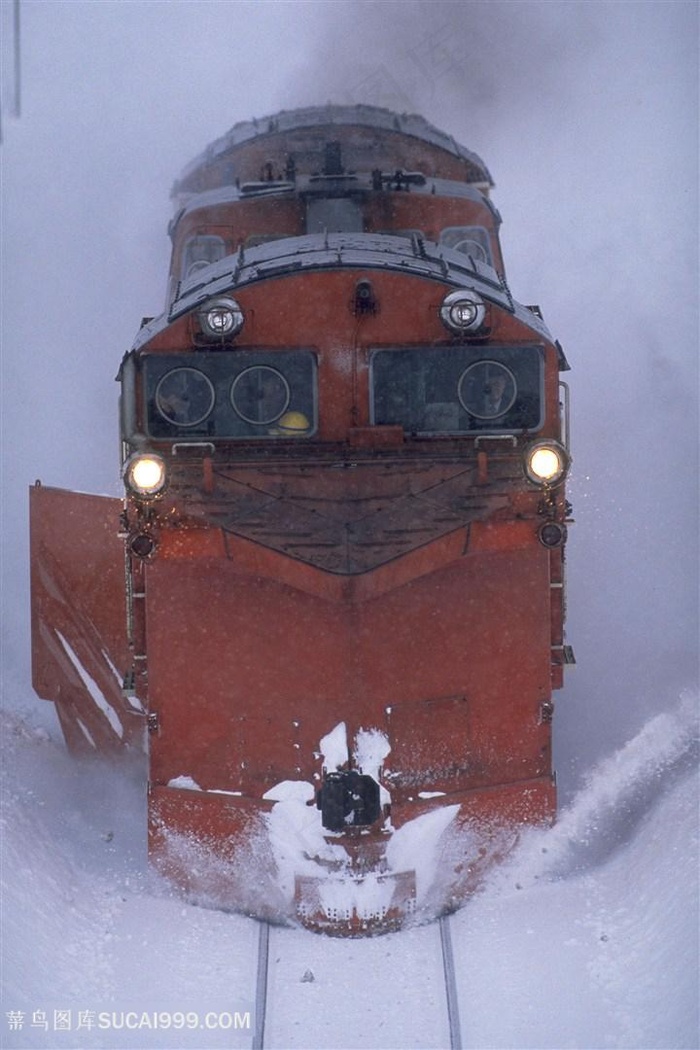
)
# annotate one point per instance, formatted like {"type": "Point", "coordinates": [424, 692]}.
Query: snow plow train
{"type": "Point", "coordinates": [331, 603]}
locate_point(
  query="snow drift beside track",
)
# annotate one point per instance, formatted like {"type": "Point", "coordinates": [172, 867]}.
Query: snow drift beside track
{"type": "Point", "coordinates": [588, 937]}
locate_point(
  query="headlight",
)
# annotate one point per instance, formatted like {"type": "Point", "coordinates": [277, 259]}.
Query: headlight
{"type": "Point", "coordinates": [462, 311]}
{"type": "Point", "coordinates": [221, 318]}
{"type": "Point", "coordinates": [546, 463]}
{"type": "Point", "coordinates": [145, 474]}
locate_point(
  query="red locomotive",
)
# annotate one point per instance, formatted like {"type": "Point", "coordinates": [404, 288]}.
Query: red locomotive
{"type": "Point", "coordinates": [340, 618]}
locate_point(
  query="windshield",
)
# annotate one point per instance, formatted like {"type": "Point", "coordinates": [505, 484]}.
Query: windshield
{"type": "Point", "coordinates": [458, 389]}
{"type": "Point", "coordinates": [246, 394]}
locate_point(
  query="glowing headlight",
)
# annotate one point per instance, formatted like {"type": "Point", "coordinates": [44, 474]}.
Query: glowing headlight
{"type": "Point", "coordinates": [462, 311]}
{"type": "Point", "coordinates": [145, 474]}
{"type": "Point", "coordinates": [546, 463]}
{"type": "Point", "coordinates": [221, 318]}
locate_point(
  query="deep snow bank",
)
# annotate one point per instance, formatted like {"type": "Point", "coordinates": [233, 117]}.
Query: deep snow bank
{"type": "Point", "coordinates": [589, 937]}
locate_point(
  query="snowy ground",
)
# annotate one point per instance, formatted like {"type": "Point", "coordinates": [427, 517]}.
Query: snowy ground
{"type": "Point", "coordinates": [587, 939]}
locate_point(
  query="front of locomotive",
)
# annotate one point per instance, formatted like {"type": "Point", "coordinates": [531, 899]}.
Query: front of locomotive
{"type": "Point", "coordinates": [344, 463]}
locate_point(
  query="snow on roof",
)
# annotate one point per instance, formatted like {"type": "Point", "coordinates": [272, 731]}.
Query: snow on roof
{"type": "Point", "coordinates": [282, 257]}
{"type": "Point", "coordinates": [232, 194]}
{"type": "Point", "coordinates": [318, 116]}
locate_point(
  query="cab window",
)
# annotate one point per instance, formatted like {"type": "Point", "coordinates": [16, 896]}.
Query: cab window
{"type": "Point", "coordinates": [458, 390]}
{"type": "Point", "coordinates": [201, 251]}
{"type": "Point", "coordinates": [231, 395]}
{"type": "Point", "coordinates": [471, 240]}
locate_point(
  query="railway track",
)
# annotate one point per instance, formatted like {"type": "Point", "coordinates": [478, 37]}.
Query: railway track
{"type": "Point", "coordinates": [451, 994]}
{"type": "Point", "coordinates": [318, 991]}
{"type": "Point", "coordinates": [261, 983]}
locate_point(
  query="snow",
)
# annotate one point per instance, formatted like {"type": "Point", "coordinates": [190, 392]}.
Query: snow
{"type": "Point", "coordinates": [415, 846]}
{"type": "Point", "coordinates": [606, 905]}
{"type": "Point", "coordinates": [382, 992]}
{"type": "Point", "coordinates": [333, 747]}
{"type": "Point", "coordinates": [298, 841]}
{"type": "Point", "coordinates": [368, 898]}
{"type": "Point", "coordinates": [371, 748]}
{"type": "Point", "coordinates": [184, 782]}
{"type": "Point", "coordinates": [94, 690]}
{"type": "Point", "coordinates": [301, 846]}
{"type": "Point", "coordinates": [586, 938]}
{"type": "Point", "coordinates": [291, 790]}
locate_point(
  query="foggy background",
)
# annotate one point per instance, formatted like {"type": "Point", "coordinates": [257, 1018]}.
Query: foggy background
{"type": "Point", "coordinates": [587, 116]}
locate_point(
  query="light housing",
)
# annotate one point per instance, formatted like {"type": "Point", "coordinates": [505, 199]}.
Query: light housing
{"type": "Point", "coordinates": [145, 474]}
{"type": "Point", "coordinates": [142, 545]}
{"type": "Point", "coordinates": [552, 534]}
{"type": "Point", "coordinates": [220, 318]}
{"type": "Point", "coordinates": [546, 462]}
{"type": "Point", "coordinates": [463, 311]}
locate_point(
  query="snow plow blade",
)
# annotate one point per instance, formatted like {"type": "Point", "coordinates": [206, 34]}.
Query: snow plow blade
{"type": "Point", "coordinates": [356, 906]}
{"type": "Point", "coordinates": [80, 651]}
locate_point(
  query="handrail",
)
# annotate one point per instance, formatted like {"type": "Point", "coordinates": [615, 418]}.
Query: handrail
{"type": "Point", "coordinates": [564, 414]}
{"type": "Point", "coordinates": [194, 444]}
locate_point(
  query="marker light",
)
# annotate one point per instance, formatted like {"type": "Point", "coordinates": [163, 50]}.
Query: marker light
{"type": "Point", "coordinates": [462, 311]}
{"type": "Point", "coordinates": [221, 318]}
{"type": "Point", "coordinates": [144, 474]}
{"type": "Point", "coordinates": [142, 545]}
{"type": "Point", "coordinates": [552, 534]}
{"type": "Point", "coordinates": [546, 463]}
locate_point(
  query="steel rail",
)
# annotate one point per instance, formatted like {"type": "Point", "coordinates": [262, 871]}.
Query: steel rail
{"type": "Point", "coordinates": [448, 965]}
{"type": "Point", "coordinates": [261, 986]}
{"type": "Point", "coordinates": [451, 993]}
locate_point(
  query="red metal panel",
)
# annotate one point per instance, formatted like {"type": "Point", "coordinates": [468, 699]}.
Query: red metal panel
{"type": "Point", "coordinates": [247, 673]}
{"type": "Point", "coordinates": [235, 661]}
{"type": "Point", "coordinates": [215, 847]}
{"type": "Point", "coordinates": [79, 644]}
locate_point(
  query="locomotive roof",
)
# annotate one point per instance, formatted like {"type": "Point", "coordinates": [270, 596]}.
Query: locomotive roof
{"type": "Point", "coordinates": [316, 252]}
{"type": "Point", "coordinates": [229, 194]}
{"type": "Point", "coordinates": [409, 124]}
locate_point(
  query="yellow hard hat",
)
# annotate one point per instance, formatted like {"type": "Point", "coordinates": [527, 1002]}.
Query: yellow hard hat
{"type": "Point", "coordinates": [292, 423]}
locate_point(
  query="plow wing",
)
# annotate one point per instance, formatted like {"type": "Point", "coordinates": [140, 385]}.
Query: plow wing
{"type": "Point", "coordinates": [80, 650]}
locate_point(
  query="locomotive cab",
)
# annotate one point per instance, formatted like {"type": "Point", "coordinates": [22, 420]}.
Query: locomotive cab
{"type": "Point", "coordinates": [213, 225]}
